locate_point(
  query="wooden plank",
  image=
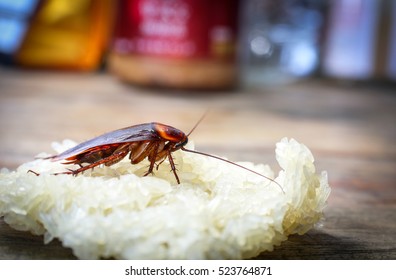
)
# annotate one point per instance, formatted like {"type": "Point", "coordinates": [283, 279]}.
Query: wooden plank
{"type": "Point", "coordinates": [349, 128]}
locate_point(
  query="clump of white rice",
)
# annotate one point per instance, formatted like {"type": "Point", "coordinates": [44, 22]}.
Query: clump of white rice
{"type": "Point", "coordinates": [218, 211]}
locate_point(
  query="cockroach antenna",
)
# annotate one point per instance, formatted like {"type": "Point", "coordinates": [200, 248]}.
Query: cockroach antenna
{"type": "Point", "coordinates": [225, 160]}
{"type": "Point", "coordinates": [235, 164]}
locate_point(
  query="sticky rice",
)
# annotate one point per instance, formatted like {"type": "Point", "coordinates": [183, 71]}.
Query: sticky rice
{"type": "Point", "coordinates": [219, 211]}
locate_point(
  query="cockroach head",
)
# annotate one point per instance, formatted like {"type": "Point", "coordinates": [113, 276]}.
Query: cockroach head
{"type": "Point", "coordinates": [181, 143]}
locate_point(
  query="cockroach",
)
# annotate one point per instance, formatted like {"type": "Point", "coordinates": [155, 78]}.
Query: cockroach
{"type": "Point", "coordinates": [155, 141]}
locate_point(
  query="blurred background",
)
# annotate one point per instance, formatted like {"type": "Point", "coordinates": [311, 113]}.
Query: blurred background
{"type": "Point", "coordinates": [203, 44]}
{"type": "Point", "coordinates": [320, 71]}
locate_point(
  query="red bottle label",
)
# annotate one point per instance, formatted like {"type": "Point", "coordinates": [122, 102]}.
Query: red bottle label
{"type": "Point", "coordinates": [177, 28]}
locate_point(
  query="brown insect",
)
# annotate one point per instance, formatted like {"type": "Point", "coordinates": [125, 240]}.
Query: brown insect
{"type": "Point", "coordinates": [154, 141]}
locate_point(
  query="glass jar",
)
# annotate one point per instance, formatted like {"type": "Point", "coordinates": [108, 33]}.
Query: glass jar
{"type": "Point", "coordinates": [279, 40]}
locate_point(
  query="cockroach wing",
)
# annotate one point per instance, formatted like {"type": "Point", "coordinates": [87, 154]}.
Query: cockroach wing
{"type": "Point", "coordinates": [140, 132]}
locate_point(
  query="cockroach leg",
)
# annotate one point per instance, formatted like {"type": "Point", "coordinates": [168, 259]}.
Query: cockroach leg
{"type": "Point", "coordinates": [157, 165]}
{"type": "Point", "coordinates": [110, 159]}
{"type": "Point", "coordinates": [172, 164]}
{"type": "Point", "coordinates": [35, 173]}
{"type": "Point", "coordinates": [152, 156]}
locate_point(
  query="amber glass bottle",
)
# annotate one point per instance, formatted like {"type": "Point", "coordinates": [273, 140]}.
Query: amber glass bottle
{"type": "Point", "coordinates": [68, 34]}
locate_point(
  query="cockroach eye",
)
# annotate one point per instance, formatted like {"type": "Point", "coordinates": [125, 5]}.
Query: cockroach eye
{"type": "Point", "coordinates": [181, 143]}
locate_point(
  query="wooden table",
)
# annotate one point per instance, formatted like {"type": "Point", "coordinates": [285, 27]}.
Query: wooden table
{"type": "Point", "coordinates": [349, 128]}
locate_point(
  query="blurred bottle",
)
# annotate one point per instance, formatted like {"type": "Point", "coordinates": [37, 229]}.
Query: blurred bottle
{"type": "Point", "coordinates": [279, 40]}
{"type": "Point", "coordinates": [65, 34]}
{"type": "Point", "coordinates": [15, 17]}
{"type": "Point", "coordinates": [391, 65]}
{"type": "Point", "coordinates": [180, 44]}
{"type": "Point", "coordinates": [361, 40]}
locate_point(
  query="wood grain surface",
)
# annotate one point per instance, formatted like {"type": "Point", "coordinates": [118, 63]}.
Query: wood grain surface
{"type": "Point", "coordinates": [349, 128]}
